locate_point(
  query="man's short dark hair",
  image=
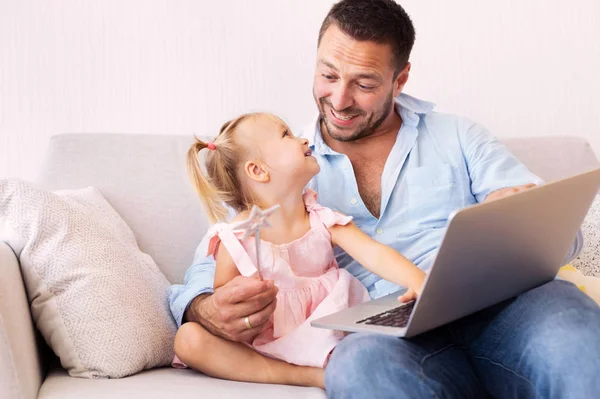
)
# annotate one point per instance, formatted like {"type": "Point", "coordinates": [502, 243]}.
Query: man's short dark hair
{"type": "Point", "coordinates": [380, 21]}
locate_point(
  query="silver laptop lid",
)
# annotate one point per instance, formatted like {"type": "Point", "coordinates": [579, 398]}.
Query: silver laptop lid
{"type": "Point", "coordinates": [497, 250]}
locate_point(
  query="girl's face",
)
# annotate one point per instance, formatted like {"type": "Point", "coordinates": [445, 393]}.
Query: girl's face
{"type": "Point", "coordinates": [287, 159]}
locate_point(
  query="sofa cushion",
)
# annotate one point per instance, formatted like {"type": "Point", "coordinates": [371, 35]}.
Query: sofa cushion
{"type": "Point", "coordinates": [588, 261]}
{"type": "Point", "coordinates": [167, 383]}
{"type": "Point", "coordinates": [99, 302]}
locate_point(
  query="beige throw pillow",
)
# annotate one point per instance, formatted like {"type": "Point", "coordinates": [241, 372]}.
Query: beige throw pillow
{"type": "Point", "coordinates": [588, 261]}
{"type": "Point", "coordinates": [99, 302]}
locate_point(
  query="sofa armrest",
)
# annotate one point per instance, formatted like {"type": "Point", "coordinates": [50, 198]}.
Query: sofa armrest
{"type": "Point", "coordinates": [21, 371]}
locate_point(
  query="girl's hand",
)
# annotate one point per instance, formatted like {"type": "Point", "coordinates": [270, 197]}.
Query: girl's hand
{"type": "Point", "coordinates": [415, 290]}
{"type": "Point", "coordinates": [408, 296]}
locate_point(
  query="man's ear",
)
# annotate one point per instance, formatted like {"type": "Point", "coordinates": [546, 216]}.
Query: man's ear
{"type": "Point", "coordinates": [401, 80]}
{"type": "Point", "coordinates": [257, 171]}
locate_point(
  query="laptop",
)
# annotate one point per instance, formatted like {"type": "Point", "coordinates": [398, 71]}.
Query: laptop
{"type": "Point", "coordinates": [490, 252]}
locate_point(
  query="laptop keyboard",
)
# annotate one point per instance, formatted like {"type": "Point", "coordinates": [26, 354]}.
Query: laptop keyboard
{"type": "Point", "coordinates": [397, 317]}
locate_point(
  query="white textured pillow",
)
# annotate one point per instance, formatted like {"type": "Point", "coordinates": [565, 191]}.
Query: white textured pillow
{"type": "Point", "coordinates": [588, 261]}
{"type": "Point", "coordinates": [99, 302]}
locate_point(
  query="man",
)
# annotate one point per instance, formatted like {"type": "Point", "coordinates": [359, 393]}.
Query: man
{"type": "Point", "coordinates": [400, 169]}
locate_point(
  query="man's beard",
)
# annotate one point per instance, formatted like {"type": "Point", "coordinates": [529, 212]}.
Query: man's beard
{"type": "Point", "coordinates": [365, 129]}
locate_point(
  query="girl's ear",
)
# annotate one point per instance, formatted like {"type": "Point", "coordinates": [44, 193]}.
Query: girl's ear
{"type": "Point", "coordinates": [257, 171]}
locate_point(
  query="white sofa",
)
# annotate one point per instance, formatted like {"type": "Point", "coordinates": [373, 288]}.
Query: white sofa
{"type": "Point", "coordinates": [143, 177]}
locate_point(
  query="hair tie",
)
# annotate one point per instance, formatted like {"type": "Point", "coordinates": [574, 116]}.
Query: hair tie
{"type": "Point", "coordinates": [211, 146]}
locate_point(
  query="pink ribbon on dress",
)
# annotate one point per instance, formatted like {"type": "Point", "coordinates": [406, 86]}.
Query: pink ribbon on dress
{"type": "Point", "coordinates": [327, 216]}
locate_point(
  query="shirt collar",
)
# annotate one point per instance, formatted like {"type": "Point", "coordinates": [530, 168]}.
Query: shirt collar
{"type": "Point", "coordinates": [409, 108]}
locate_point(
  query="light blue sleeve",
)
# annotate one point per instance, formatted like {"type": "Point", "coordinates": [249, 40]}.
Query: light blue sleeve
{"type": "Point", "coordinates": [199, 279]}
{"type": "Point", "coordinates": [492, 166]}
{"type": "Point", "coordinates": [575, 248]}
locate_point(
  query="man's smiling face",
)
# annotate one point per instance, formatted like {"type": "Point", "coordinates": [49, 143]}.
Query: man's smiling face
{"type": "Point", "coordinates": [355, 83]}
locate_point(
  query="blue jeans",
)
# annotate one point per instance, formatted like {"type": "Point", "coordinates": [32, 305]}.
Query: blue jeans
{"type": "Point", "coordinates": [544, 343]}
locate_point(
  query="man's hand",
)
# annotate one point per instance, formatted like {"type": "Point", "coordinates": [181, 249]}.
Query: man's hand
{"type": "Point", "coordinates": [505, 192]}
{"type": "Point", "coordinates": [223, 312]}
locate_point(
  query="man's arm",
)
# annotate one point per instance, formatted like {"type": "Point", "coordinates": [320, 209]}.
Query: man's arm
{"type": "Point", "coordinates": [575, 248]}
{"type": "Point", "coordinates": [198, 281]}
{"type": "Point", "coordinates": [491, 166]}
{"type": "Point", "coordinates": [495, 172]}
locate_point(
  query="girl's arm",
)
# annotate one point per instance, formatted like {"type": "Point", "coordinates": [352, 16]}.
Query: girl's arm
{"type": "Point", "coordinates": [380, 259]}
{"type": "Point", "coordinates": [225, 270]}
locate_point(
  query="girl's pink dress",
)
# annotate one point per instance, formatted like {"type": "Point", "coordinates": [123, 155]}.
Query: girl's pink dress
{"type": "Point", "coordinates": [311, 285]}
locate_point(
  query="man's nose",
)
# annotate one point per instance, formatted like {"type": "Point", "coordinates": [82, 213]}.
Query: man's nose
{"type": "Point", "coordinates": [341, 98]}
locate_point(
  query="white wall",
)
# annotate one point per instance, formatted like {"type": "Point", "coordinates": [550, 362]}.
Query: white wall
{"type": "Point", "coordinates": [522, 68]}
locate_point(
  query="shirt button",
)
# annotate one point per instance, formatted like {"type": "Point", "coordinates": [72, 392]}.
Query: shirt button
{"type": "Point", "coordinates": [353, 201]}
{"type": "Point", "coordinates": [380, 231]}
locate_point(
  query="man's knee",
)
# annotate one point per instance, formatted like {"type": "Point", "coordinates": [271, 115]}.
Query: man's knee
{"type": "Point", "coordinates": [363, 364]}
{"type": "Point", "coordinates": [574, 318]}
{"type": "Point", "coordinates": [566, 331]}
{"type": "Point", "coordinates": [354, 346]}
{"type": "Point", "coordinates": [557, 297]}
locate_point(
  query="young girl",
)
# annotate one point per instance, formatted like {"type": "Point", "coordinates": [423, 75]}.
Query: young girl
{"type": "Point", "coordinates": [255, 160]}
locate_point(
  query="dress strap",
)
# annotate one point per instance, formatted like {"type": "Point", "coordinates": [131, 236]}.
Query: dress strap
{"type": "Point", "coordinates": [320, 216]}
{"type": "Point", "coordinates": [238, 253]}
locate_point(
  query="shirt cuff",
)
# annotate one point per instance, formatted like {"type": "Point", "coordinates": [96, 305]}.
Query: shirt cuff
{"type": "Point", "coordinates": [180, 299]}
{"type": "Point", "coordinates": [575, 248]}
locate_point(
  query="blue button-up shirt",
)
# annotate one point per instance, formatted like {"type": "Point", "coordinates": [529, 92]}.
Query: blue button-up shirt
{"type": "Point", "coordinates": [439, 163]}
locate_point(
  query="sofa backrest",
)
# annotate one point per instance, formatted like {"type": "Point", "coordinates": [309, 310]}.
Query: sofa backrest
{"type": "Point", "coordinates": [553, 158]}
{"type": "Point", "coordinates": [144, 178]}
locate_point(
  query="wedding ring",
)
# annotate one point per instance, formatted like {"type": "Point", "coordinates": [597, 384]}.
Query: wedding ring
{"type": "Point", "coordinates": [247, 321]}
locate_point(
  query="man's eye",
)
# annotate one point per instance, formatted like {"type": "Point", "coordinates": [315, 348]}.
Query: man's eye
{"type": "Point", "coordinates": [328, 77]}
{"type": "Point", "coordinates": [363, 87]}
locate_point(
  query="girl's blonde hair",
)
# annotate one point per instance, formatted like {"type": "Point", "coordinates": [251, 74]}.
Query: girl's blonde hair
{"type": "Point", "coordinates": [222, 184]}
